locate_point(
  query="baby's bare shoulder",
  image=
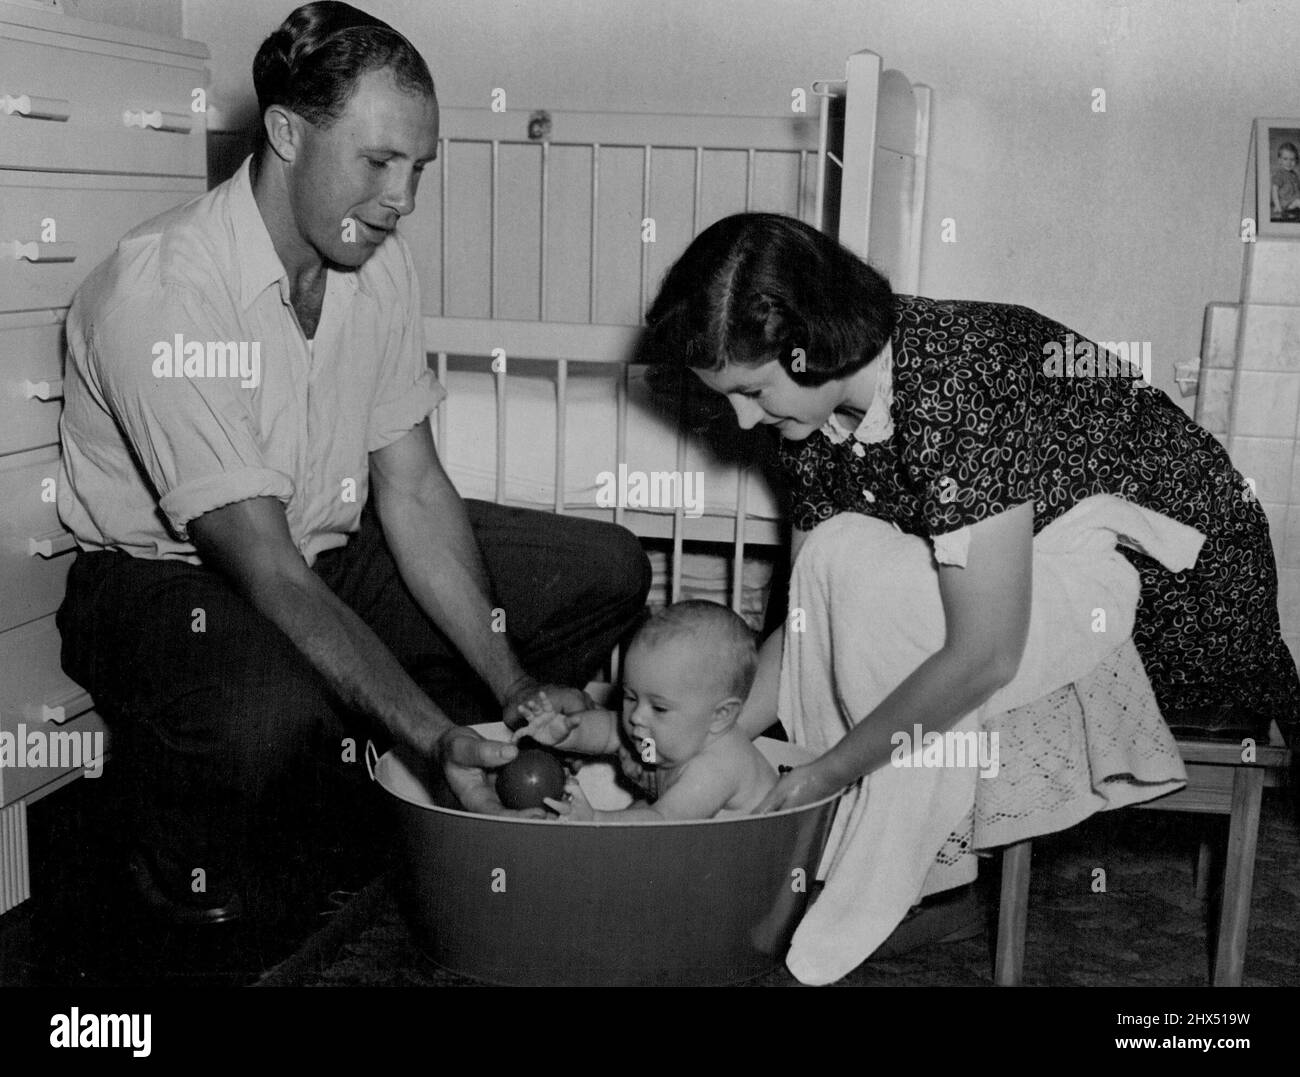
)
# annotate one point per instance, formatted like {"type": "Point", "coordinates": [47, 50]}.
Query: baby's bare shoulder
{"type": "Point", "coordinates": [753, 776]}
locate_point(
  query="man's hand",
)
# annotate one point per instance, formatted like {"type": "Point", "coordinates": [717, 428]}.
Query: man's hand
{"type": "Point", "coordinates": [803, 785]}
{"type": "Point", "coordinates": [466, 759]}
{"type": "Point", "coordinates": [530, 693]}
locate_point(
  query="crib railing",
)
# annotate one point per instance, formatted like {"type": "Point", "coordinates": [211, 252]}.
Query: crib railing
{"type": "Point", "coordinates": [607, 347]}
{"type": "Point", "coordinates": [714, 188]}
{"type": "Point", "coordinates": [579, 220]}
{"type": "Point", "coordinates": [625, 184]}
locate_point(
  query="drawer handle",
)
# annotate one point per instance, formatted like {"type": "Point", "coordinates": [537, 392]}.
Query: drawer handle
{"type": "Point", "coordinates": [49, 389]}
{"type": "Point", "coordinates": [158, 121]}
{"type": "Point", "coordinates": [44, 252]}
{"type": "Point", "coordinates": [69, 703]}
{"type": "Point", "coordinates": [36, 108]}
{"type": "Point", "coordinates": [51, 544]}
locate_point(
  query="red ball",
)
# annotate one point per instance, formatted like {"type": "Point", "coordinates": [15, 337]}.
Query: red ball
{"type": "Point", "coordinates": [530, 777]}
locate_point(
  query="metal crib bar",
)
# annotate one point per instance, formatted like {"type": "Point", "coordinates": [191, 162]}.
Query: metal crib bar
{"type": "Point", "coordinates": [620, 434]}
{"type": "Point", "coordinates": [492, 231]}
{"type": "Point", "coordinates": [823, 137]}
{"type": "Point", "coordinates": [595, 229]}
{"type": "Point", "coordinates": [825, 89]}
{"type": "Point", "coordinates": [679, 517]}
{"type": "Point", "coordinates": [541, 269]}
{"type": "Point", "coordinates": [645, 247]}
{"type": "Point", "coordinates": [441, 411]}
{"type": "Point", "coordinates": [803, 185]}
{"type": "Point", "coordinates": [620, 458]}
{"type": "Point", "coordinates": [699, 184]}
{"type": "Point", "coordinates": [561, 387]}
{"type": "Point", "coordinates": [442, 228]}
{"type": "Point", "coordinates": [738, 552]}
{"type": "Point", "coordinates": [742, 486]}
{"type": "Point", "coordinates": [500, 376]}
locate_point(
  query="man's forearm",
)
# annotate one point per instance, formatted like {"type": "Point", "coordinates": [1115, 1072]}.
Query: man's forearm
{"type": "Point", "coordinates": [355, 662]}
{"type": "Point", "coordinates": [440, 561]}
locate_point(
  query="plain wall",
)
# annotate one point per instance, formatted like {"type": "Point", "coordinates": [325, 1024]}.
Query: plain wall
{"type": "Point", "coordinates": [1121, 224]}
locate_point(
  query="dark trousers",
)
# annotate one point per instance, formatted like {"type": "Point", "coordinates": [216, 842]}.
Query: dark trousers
{"type": "Point", "coordinates": [219, 731]}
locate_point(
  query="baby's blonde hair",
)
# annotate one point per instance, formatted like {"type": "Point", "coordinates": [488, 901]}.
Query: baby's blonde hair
{"type": "Point", "coordinates": [714, 625]}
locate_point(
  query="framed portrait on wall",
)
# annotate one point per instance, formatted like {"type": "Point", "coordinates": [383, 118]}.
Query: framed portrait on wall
{"type": "Point", "coordinates": [1277, 172]}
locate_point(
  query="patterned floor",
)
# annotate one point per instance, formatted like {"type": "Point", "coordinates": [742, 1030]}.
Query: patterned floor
{"type": "Point", "coordinates": [1148, 927]}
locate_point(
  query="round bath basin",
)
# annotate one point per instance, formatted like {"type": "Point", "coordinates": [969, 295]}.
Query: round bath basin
{"type": "Point", "coordinates": [533, 902]}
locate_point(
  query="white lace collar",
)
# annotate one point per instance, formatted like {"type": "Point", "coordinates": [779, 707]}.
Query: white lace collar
{"type": "Point", "coordinates": [876, 425]}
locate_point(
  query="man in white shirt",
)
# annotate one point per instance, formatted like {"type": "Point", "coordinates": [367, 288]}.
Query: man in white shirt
{"type": "Point", "coordinates": [270, 547]}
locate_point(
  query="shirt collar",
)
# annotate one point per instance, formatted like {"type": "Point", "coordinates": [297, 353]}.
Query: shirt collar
{"type": "Point", "coordinates": [877, 412]}
{"type": "Point", "coordinates": [259, 265]}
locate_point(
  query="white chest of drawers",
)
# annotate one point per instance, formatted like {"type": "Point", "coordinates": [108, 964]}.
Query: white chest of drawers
{"type": "Point", "coordinates": [98, 131]}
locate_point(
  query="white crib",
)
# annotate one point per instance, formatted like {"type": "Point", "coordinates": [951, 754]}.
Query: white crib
{"type": "Point", "coordinates": [540, 257]}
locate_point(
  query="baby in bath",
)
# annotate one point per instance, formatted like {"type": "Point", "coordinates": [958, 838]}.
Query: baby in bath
{"type": "Point", "coordinates": [685, 677]}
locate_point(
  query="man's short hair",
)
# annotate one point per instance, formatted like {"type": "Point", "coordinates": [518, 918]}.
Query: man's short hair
{"type": "Point", "coordinates": [311, 64]}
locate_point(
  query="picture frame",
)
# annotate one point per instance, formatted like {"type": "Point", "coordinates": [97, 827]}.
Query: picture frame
{"type": "Point", "coordinates": [1276, 146]}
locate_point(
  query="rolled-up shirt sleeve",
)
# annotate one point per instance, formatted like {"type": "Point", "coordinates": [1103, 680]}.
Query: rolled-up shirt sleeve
{"type": "Point", "coordinates": [193, 437]}
{"type": "Point", "coordinates": [407, 391]}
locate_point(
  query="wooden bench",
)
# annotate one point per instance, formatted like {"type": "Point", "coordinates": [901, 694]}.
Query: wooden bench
{"type": "Point", "coordinates": [1219, 782]}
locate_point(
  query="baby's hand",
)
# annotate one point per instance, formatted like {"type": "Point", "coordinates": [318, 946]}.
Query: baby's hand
{"type": "Point", "coordinates": [543, 722]}
{"type": "Point", "coordinates": [576, 809]}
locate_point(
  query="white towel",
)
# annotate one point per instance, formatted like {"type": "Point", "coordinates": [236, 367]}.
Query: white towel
{"type": "Point", "coordinates": [872, 614]}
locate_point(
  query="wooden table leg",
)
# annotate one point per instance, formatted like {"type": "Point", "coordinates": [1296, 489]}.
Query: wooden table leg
{"type": "Point", "coordinates": [1204, 869]}
{"type": "Point", "coordinates": [1013, 912]}
{"type": "Point", "coordinates": [1238, 876]}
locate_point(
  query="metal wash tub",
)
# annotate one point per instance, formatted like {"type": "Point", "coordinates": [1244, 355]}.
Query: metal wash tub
{"type": "Point", "coordinates": [532, 902]}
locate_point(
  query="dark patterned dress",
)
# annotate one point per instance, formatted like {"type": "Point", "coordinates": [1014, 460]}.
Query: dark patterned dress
{"type": "Point", "coordinates": [984, 420]}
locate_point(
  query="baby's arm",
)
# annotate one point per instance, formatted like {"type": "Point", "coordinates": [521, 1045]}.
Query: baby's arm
{"type": "Point", "coordinates": [593, 732]}
{"type": "Point", "coordinates": [703, 788]}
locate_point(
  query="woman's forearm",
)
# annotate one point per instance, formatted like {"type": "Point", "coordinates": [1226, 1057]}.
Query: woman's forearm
{"type": "Point", "coordinates": [935, 696]}
{"type": "Point", "coordinates": [759, 711]}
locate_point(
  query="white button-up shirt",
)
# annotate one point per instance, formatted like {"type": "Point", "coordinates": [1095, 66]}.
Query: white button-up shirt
{"type": "Point", "coordinates": [190, 386]}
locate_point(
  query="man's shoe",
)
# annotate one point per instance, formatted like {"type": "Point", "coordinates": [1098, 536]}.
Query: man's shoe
{"type": "Point", "coordinates": [168, 911]}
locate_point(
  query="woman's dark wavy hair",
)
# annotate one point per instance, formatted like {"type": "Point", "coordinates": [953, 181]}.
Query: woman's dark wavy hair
{"type": "Point", "coordinates": [312, 62]}
{"type": "Point", "coordinates": [757, 286]}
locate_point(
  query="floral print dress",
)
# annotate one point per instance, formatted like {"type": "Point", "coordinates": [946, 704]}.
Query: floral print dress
{"type": "Point", "coordinates": [980, 419]}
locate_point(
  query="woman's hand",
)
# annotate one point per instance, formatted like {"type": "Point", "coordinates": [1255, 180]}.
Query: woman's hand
{"type": "Point", "coordinates": [803, 785]}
